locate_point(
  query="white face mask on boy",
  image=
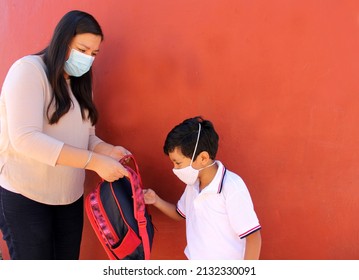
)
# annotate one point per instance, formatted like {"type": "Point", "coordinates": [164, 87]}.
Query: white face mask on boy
{"type": "Point", "coordinates": [188, 174]}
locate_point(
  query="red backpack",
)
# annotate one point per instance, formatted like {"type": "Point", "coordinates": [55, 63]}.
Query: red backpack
{"type": "Point", "coordinates": [119, 217]}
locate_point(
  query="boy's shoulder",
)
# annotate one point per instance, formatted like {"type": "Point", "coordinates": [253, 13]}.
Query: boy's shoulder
{"type": "Point", "coordinates": [233, 183]}
{"type": "Point", "coordinates": [232, 178]}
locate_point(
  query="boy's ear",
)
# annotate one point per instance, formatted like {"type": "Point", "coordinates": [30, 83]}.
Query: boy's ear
{"type": "Point", "coordinates": [204, 158]}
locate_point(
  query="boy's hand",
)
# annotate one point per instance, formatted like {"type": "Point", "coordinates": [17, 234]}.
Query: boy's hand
{"type": "Point", "coordinates": [149, 196]}
{"type": "Point", "coordinates": [167, 208]}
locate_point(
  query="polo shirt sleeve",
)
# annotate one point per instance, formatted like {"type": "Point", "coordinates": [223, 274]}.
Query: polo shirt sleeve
{"type": "Point", "coordinates": [181, 205]}
{"type": "Point", "coordinates": [241, 214]}
{"type": "Point", "coordinates": [24, 92]}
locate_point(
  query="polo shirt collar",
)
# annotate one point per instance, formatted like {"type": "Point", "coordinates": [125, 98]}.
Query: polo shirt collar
{"type": "Point", "coordinates": [215, 186]}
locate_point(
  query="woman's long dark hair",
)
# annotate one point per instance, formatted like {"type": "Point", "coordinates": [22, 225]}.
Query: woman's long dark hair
{"type": "Point", "coordinates": [71, 24]}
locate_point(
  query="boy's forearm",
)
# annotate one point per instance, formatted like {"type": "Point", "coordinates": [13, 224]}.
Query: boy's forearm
{"type": "Point", "coordinates": [253, 246]}
{"type": "Point", "coordinates": [167, 208]}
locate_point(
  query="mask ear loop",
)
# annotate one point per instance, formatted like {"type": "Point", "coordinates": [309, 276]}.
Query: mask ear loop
{"type": "Point", "coordinates": [195, 148]}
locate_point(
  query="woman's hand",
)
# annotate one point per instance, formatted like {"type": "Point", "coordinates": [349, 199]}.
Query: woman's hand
{"type": "Point", "coordinates": [115, 152]}
{"type": "Point", "coordinates": [107, 167]}
{"type": "Point", "coordinates": [119, 152]}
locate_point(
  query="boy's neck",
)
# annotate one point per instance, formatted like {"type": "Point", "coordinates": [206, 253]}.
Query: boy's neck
{"type": "Point", "coordinates": [207, 175]}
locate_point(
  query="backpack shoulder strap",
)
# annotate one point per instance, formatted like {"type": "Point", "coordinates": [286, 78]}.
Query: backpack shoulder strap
{"type": "Point", "coordinates": [138, 204]}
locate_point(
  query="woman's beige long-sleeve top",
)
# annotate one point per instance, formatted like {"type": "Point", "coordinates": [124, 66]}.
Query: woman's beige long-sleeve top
{"type": "Point", "coordinates": [30, 146]}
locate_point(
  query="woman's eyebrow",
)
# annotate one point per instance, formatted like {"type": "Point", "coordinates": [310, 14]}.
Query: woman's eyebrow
{"type": "Point", "coordinates": [85, 46]}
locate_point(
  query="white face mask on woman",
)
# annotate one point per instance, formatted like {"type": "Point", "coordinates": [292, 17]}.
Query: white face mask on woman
{"type": "Point", "coordinates": [188, 174]}
{"type": "Point", "coordinates": [78, 63]}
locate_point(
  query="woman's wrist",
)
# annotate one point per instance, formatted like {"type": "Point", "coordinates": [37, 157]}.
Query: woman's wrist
{"type": "Point", "coordinates": [88, 159]}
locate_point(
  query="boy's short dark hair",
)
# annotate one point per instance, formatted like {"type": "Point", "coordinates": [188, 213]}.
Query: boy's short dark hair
{"type": "Point", "coordinates": [184, 137]}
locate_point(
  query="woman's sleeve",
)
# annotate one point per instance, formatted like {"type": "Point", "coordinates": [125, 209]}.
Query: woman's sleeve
{"type": "Point", "coordinates": [24, 93]}
{"type": "Point", "coordinates": [93, 140]}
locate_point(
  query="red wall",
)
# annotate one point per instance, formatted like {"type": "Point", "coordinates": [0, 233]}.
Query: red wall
{"type": "Point", "coordinates": [279, 79]}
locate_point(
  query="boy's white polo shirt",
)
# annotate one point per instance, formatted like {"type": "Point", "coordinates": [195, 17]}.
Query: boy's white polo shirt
{"type": "Point", "coordinates": [218, 218]}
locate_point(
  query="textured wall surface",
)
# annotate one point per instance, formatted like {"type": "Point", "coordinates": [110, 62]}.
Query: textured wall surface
{"type": "Point", "coordinates": [279, 79]}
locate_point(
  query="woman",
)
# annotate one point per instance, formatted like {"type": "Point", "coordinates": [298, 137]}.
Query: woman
{"type": "Point", "coordinates": [48, 140]}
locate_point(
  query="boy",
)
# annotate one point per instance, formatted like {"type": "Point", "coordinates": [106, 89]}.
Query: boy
{"type": "Point", "coordinates": [220, 220]}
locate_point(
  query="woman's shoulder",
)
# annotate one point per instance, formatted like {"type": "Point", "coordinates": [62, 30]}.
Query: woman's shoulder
{"type": "Point", "coordinates": [29, 64]}
{"type": "Point", "coordinates": [35, 60]}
